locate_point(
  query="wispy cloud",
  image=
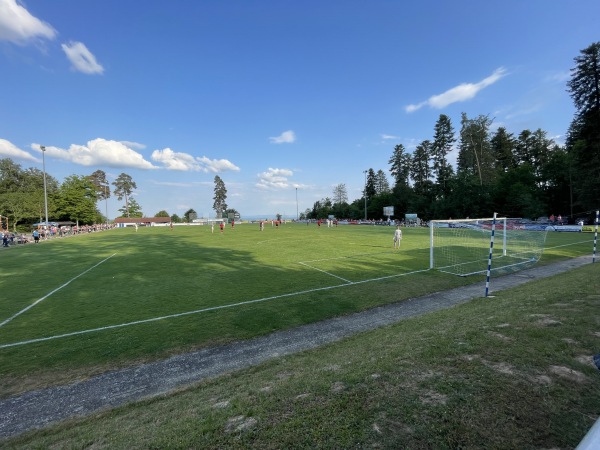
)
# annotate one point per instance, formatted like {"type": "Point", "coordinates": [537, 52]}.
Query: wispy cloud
{"type": "Point", "coordinates": [387, 137]}
{"type": "Point", "coordinates": [135, 145]}
{"type": "Point", "coordinates": [81, 58]}
{"type": "Point", "coordinates": [99, 152]}
{"type": "Point", "coordinates": [287, 137]}
{"type": "Point", "coordinates": [185, 162]}
{"type": "Point", "coordinates": [9, 150]}
{"type": "Point", "coordinates": [18, 26]}
{"type": "Point", "coordinates": [558, 77]}
{"type": "Point", "coordinates": [274, 179]}
{"type": "Point", "coordinates": [460, 93]}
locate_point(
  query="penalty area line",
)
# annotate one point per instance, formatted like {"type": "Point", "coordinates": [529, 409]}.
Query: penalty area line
{"type": "Point", "coordinates": [54, 291]}
{"type": "Point", "coordinates": [198, 311]}
{"type": "Point", "coordinates": [327, 273]}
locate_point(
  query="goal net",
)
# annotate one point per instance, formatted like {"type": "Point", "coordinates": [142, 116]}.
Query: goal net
{"type": "Point", "coordinates": [462, 247]}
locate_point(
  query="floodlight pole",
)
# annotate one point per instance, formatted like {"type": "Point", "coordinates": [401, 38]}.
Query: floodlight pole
{"type": "Point", "coordinates": [297, 216]}
{"type": "Point", "coordinates": [43, 149]}
{"type": "Point", "coordinates": [365, 193]}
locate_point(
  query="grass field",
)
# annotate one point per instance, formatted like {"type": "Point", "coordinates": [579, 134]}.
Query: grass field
{"type": "Point", "coordinates": [77, 306]}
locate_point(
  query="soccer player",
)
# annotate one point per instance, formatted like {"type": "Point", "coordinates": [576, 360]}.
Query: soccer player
{"type": "Point", "coordinates": [397, 237]}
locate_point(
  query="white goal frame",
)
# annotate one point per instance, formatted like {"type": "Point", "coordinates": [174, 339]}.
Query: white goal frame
{"type": "Point", "coordinates": [446, 223]}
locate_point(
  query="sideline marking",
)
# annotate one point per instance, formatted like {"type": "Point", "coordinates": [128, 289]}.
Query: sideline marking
{"type": "Point", "coordinates": [198, 311]}
{"type": "Point", "coordinates": [52, 292]}
{"type": "Point", "coordinates": [566, 245]}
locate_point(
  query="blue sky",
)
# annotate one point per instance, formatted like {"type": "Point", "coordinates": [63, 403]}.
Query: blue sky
{"type": "Point", "coordinates": [282, 99]}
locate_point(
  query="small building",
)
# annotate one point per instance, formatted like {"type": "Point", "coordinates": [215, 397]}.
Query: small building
{"type": "Point", "coordinates": [122, 222]}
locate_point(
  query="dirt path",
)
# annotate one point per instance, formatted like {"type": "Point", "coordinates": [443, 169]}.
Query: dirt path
{"type": "Point", "coordinates": [40, 408]}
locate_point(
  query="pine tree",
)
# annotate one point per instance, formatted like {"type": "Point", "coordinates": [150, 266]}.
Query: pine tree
{"type": "Point", "coordinates": [583, 141]}
{"type": "Point", "coordinates": [420, 171]}
{"type": "Point", "coordinates": [400, 164]}
{"type": "Point", "coordinates": [503, 147]}
{"type": "Point", "coordinates": [443, 140]}
{"type": "Point", "coordinates": [382, 184]}
{"type": "Point", "coordinates": [124, 186]}
{"type": "Point", "coordinates": [219, 204]}
{"type": "Point", "coordinates": [475, 154]}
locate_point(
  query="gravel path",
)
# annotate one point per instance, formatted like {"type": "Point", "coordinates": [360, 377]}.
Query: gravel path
{"type": "Point", "coordinates": [37, 409]}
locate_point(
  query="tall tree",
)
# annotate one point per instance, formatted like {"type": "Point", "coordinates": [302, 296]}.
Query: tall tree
{"type": "Point", "coordinates": [541, 154]}
{"type": "Point", "coordinates": [400, 163]}
{"type": "Point", "coordinates": [22, 192]}
{"type": "Point", "coordinates": [77, 200]}
{"type": "Point", "coordinates": [524, 147]}
{"type": "Point", "coordinates": [420, 170]}
{"type": "Point", "coordinates": [124, 186]}
{"type": "Point", "coordinates": [443, 140]}
{"type": "Point", "coordinates": [503, 147]}
{"type": "Point", "coordinates": [475, 154]}
{"type": "Point", "coordinates": [340, 194]}
{"type": "Point", "coordinates": [11, 176]}
{"type": "Point", "coordinates": [370, 189]}
{"type": "Point", "coordinates": [220, 197]}
{"type": "Point", "coordinates": [20, 205]}
{"type": "Point", "coordinates": [583, 141]}
{"type": "Point", "coordinates": [101, 185]}
{"type": "Point", "coordinates": [382, 185]}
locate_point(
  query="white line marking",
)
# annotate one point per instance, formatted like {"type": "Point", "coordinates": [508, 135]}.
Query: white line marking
{"type": "Point", "coordinates": [327, 273]}
{"type": "Point", "coordinates": [566, 245]}
{"type": "Point", "coordinates": [198, 311]}
{"type": "Point", "coordinates": [52, 292]}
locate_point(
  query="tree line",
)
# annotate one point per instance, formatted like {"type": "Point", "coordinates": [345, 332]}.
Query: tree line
{"type": "Point", "coordinates": [78, 198]}
{"type": "Point", "coordinates": [517, 175]}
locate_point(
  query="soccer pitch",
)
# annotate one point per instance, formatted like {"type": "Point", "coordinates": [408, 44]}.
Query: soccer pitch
{"type": "Point", "coordinates": [108, 299]}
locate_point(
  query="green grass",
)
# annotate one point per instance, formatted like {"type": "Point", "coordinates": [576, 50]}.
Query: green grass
{"type": "Point", "coordinates": [512, 372]}
{"type": "Point", "coordinates": [239, 284]}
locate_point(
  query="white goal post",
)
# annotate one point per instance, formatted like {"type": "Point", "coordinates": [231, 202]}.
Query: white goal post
{"type": "Point", "coordinates": [462, 246]}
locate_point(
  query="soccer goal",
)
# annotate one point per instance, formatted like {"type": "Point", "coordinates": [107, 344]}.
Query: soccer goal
{"type": "Point", "coordinates": [462, 247]}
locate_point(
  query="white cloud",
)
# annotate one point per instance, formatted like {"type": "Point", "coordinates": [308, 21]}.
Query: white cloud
{"type": "Point", "coordinates": [287, 137]}
{"type": "Point", "coordinates": [9, 150]}
{"type": "Point", "coordinates": [218, 165]}
{"type": "Point", "coordinates": [82, 59]}
{"type": "Point", "coordinates": [558, 77]}
{"type": "Point", "coordinates": [18, 26]}
{"type": "Point", "coordinates": [185, 162]}
{"type": "Point", "coordinates": [386, 137]}
{"type": "Point", "coordinates": [274, 179]}
{"type": "Point", "coordinates": [135, 145]}
{"type": "Point", "coordinates": [99, 152]}
{"type": "Point", "coordinates": [460, 93]}
{"type": "Point", "coordinates": [523, 112]}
